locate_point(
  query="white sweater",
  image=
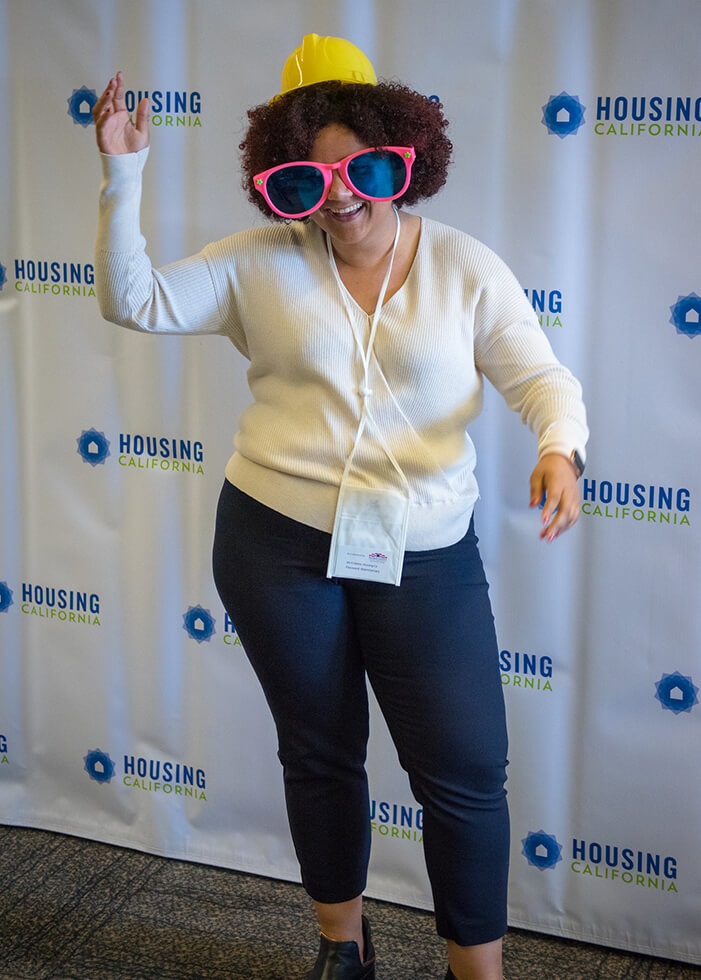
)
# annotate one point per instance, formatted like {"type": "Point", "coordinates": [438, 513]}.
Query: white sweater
{"type": "Point", "coordinates": [460, 315]}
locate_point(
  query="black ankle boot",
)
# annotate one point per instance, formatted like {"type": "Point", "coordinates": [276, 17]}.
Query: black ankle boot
{"type": "Point", "coordinates": [341, 961]}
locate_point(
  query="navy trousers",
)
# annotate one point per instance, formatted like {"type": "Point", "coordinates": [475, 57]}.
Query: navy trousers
{"type": "Point", "coordinates": [428, 648]}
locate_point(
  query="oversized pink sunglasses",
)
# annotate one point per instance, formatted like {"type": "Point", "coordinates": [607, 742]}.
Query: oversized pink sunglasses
{"type": "Point", "coordinates": [294, 190]}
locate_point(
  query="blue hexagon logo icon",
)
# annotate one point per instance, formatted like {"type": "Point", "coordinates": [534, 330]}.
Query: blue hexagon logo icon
{"type": "Point", "coordinates": [80, 105]}
{"type": "Point", "coordinates": [5, 597]}
{"type": "Point", "coordinates": [198, 623]}
{"type": "Point", "coordinates": [686, 315]}
{"type": "Point", "coordinates": [563, 114]}
{"type": "Point", "coordinates": [93, 446]}
{"type": "Point", "coordinates": [541, 850]}
{"type": "Point", "coordinates": [676, 692]}
{"type": "Point", "coordinates": [99, 766]}
{"type": "Point", "coordinates": [3, 276]}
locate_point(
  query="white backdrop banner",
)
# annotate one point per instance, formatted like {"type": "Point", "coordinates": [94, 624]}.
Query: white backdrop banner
{"type": "Point", "coordinates": [128, 711]}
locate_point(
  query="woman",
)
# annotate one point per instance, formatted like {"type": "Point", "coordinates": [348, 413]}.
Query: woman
{"type": "Point", "coordinates": [347, 506]}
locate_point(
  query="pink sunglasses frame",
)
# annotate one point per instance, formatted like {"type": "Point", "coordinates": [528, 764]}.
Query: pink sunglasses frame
{"type": "Point", "coordinates": [260, 181]}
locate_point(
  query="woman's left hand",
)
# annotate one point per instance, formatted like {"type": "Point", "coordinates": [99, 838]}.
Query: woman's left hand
{"type": "Point", "coordinates": [555, 477]}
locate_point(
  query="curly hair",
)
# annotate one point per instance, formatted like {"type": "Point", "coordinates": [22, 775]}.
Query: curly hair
{"type": "Point", "coordinates": [387, 114]}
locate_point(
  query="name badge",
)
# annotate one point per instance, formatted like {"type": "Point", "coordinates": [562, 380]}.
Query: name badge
{"type": "Point", "coordinates": [369, 535]}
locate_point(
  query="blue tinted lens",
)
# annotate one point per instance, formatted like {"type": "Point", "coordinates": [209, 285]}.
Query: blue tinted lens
{"type": "Point", "coordinates": [296, 189]}
{"type": "Point", "coordinates": [378, 173]}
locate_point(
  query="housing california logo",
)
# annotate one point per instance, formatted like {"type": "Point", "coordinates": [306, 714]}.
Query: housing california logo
{"type": "Point", "coordinates": [57, 277]}
{"type": "Point", "coordinates": [99, 766]}
{"type": "Point", "coordinates": [169, 107]}
{"type": "Point", "coordinates": [397, 821]}
{"type": "Point", "coordinates": [200, 625]}
{"type": "Point", "coordinates": [81, 103]}
{"type": "Point", "coordinates": [64, 604]}
{"type": "Point", "coordinates": [541, 850]}
{"type": "Point", "coordinates": [526, 670]}
{"type": "Point", "coordinates": [547, 306]}
{"type": "Point", "coordinates": [563, 115]}
{"type": "Point", "coordinates": [6, 594]}
{"type": "Point", "coordinates": [686, 315]}
{"type": "Point", "coordinates": [149, 775]}
{"type": "Point", "coordinates": [56, 602]}
{"type": "Point", "coordinates": [609, 862]}
{"type": "Point", "coordinates": [625, 115]}
{"type": "Point", "coordinates": [93, 446]}
{"type": "Point", "coordinates": [637, 503]}
{"type": "Point", "coordinates": [137, 451]}
{"type": "Point", "coordinates": [677, 692]}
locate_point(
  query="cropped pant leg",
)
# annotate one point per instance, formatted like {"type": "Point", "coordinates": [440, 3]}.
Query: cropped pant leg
{"type": "Point", "coordinates": [296, 628]}
{"type": "Point", "coordinates": [431, 655]}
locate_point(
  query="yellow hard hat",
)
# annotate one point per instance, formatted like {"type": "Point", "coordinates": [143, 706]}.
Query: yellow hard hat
{"type": "Point", "coordinates": [325, 59]}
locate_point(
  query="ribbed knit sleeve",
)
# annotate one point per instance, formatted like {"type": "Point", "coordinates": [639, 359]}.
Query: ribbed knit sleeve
{"type": "Point", "coordinates": [180, 297]}
{"type": "Point", "coordinates": [512, 351]}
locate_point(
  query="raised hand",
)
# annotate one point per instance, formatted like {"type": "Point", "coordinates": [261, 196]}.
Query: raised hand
{"type": "Point", "coordinates": [116, 133]}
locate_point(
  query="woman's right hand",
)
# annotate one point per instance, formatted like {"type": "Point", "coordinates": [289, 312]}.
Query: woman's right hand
{"type": "Point", "coordinates": [116, 133]}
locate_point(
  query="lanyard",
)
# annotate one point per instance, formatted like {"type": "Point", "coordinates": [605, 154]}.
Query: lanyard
{"type": "Point", "coordinates": [365, 391]}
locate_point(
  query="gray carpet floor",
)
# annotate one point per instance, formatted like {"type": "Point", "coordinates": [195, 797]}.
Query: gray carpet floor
{"type": "Point", "coordinates": [72, 909]}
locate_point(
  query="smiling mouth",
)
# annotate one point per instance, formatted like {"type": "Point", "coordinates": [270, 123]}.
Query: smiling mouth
{"type": "Point", "coordinates": [342, 212]}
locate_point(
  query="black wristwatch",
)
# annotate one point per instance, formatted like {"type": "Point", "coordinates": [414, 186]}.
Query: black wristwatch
{"type": "Point", "coordinates": [577, 462]}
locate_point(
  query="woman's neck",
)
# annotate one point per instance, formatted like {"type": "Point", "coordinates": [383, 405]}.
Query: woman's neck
{"type": "Point", "coordinates": [369, 253]}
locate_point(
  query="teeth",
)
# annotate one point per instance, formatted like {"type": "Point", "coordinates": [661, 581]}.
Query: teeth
{"type": "Point", "coordinates": [351, 207]}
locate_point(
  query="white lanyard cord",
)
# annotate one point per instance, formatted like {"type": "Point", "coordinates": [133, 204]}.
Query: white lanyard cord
{"type": "Point", "coordinates": [365, 355]}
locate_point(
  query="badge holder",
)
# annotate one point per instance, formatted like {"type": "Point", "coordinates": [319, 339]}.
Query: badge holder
{"type": "Point", "coordinates": [369, 535]}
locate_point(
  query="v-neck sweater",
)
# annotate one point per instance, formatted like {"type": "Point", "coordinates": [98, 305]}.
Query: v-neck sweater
{"type": "Point", "coordinates": [459, 316]}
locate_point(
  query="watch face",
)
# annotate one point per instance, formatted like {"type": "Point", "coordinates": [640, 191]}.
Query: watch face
{"type": "Point", "coordinates": [577, 461]}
